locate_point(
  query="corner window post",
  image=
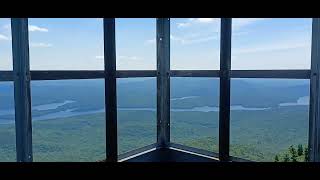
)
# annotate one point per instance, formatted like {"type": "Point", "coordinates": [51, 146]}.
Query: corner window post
{"type": "Point", "coordinates": [163, 82]}
{"type": "Point", "coordinates": [110, 89]}
{"type": "Point", "coordinates": [224, 107]}
{"type": "Point", "coordinates": [22, 99]}
{"type": "Point", "coordinates": [314, 112]}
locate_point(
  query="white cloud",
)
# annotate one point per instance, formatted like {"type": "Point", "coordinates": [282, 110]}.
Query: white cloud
{"type": "Point", "coordinates": [150, 41]}
{"type": "Point", "coordinates": [192, 21]}
{"type": "Point", "coordinates": [40, 44]}
{"type": "Point", "coordinates": [33, 28]}
{"type": "Point", "coordinates": [189, 39]}
{"type": "Point", "coordinates": [99, 57]}
{"type": "Point", "coordinates": [205, 20]}
{"type": "Point", "coordinates": [175, 38]}
{"type": "Point", "coordinates": [7, 26]}
{"type": "Point", "coordinates": [238, 23]}
{"type": "Point", "coordinates": [183, 24]}
{"type": "Point", "coordinates": [193, 39]}
{"type": "Point", "coordinates": [277, 46]}
{"type": "Point", "coordinates": [4, 37]}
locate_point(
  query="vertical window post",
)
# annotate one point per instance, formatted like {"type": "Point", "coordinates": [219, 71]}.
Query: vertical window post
{"type": "Point", "coordinates": [314, 112]}
{"type": "Point", "coordinates": [224, 108]}
{"type": "Point", "coordinates": [163, 82]}
{"type": "Point", "coordinates": [110, 89]}
{"type": "Point", "coordinates": [22, 99]}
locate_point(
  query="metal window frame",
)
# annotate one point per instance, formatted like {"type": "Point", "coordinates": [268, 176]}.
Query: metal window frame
{"type": "Point", "coordinates": [163, 73]}
{"type": "Point", "coordinates": [224, 103]}
{"type": "Point", "coordinates": [22, 98]}
{"type": "Point", "coordinates": [195, 150]}
{"type": "Point", "coordinates": [110, 89]}
{"type": "Point", "coordinates": [137, 152]}
{"type": "Point", "coordinates": [37, 75]}
{"type": "Point", "coordinates": [163, 82]}
{"type": "Point", "coordinates": [314, 112]}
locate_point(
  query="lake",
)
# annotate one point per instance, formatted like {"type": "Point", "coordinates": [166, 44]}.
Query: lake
{"type": "Point", "coordinates": [75, 112]}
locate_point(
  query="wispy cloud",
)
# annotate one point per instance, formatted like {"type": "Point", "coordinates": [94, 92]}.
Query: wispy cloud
{"type": "Point", "coordinates": [39, 44]}
{"type": "Point", "coordinates": [99, 57]}
{"type": "Point", "coordinates": [4, 37]}
{"type": "Point", "coordinates": [277, 46]}
{"type": "Point", "coordinates": [33, 28]}
{"type": "Point", "coordinates": [193, 39]}
{"type": "Point", "coordinates": [192, 21]}
{"type": "Point", "coordinates": [204, 20]}
{"type": "Point", "coordinates": [150, 41]}
{"type": "Point", "coordinates": [6, 26]}
{"type": "Point", "coordinates": [187, 40]}
{"type": "Point", "coordinates": [238, 23]}
{"type": "Point", "coordinates": [184, 24]}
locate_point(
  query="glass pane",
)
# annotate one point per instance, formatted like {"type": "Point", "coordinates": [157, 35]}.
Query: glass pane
{"type": "Point", "coordinates": [7, 123]}
{"type": "Point", "coordinates": [136, 45]}
{"type": "Point", "coordinates": [195, 112]}
{"type": "Point", "coordinates": [66, 43]}
{"type": "Point", "coordinates": [195, 43]}
{"type": "Point", "coordinates": [5, 44]}
{"type": "Point", "coordinates": [267, 117]}
{"type": "Point", "coordinates": [265, 43]}
{"type": "Point", "coordinates": [137, 116]}
{"type": "Point", "coordinates": [68, 120]}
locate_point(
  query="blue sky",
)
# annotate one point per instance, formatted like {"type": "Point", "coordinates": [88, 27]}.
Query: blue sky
{"type": "Point", "coordinates": [77, 44]}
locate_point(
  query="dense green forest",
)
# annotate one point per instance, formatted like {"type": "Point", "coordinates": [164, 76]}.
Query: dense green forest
{"type": "Point", "coordinates": [82, 138]}
{"type": "Point", "coordinates": [258, 135]}
{"type": "Point", "coordinates": [293, 154]}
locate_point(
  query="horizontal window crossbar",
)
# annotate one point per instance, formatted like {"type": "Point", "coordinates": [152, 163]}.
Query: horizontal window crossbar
{"type": "Point", "coordinates": [81, 74]}
{"type": "Point", "coordinates": [59, 75]}
{"type": "Point", "coordinates": [55, 75]}
{"type": "Point", "coordinates": [194, 73]}
{"type": "Point", "coordinates": [6, 76]}
{"type": "Point", "coordinates": [285, 74]}
{"type": "Point", "coordinates": [97, 74]}
{"type": "Point", "coordinates": [136, 73]}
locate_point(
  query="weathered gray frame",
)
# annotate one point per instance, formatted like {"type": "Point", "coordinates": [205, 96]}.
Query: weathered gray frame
{"type": "Point", "coordinates": [99, 74]}
{"type": "Point", "coordinates": [110, 89]}
{"type": "Point", "coordinates": [314, 122]}
{"type": "Point", "coordinates": [21, 75]}
{"type": "Point", "coordinates": [224, 102]}
{"type": "Point", "coordinates": [163, 82]}
{"type": "Point", "coordinates": [22, 98]}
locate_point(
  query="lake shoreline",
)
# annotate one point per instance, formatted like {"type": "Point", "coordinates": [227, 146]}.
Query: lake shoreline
{"type": "Point", "coordinates": [73, 112]}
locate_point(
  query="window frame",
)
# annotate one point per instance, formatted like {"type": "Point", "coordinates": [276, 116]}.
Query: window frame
{"type": "Point", "coordinates": [163, 73]}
